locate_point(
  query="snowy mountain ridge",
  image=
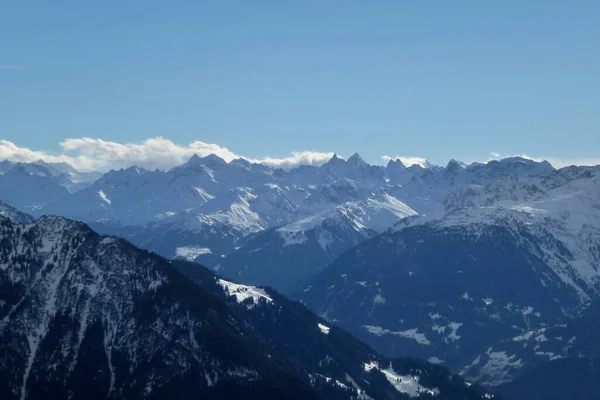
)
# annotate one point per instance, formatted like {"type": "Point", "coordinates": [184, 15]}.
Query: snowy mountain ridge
{"type": "Point", "coordinates": [564, 205]}
{"type": "Point", "coordinates": [207, 200]}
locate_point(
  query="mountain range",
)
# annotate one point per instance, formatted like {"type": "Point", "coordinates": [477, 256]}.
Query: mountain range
{"type": "Point", "coordinates": [447, 264]}
{"type": "Point", "coordinates": [209, 210]}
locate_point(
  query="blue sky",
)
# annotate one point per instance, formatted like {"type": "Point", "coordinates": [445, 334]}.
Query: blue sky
{"type": "Point", "coordinates": [437, 79]}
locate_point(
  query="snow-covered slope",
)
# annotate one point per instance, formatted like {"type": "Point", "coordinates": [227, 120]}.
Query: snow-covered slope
{"type": "Point", "coordinates": [287, 256]}
{"type": "Point", "coordinates": [564, 205]}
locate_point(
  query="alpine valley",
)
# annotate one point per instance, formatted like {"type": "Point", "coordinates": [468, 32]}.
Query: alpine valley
{"type": "Point", "coordinates": [488, 270]}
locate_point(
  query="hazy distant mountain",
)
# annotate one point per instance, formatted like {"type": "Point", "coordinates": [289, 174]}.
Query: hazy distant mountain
{"type": "Point", "coordinates": [31, 186]}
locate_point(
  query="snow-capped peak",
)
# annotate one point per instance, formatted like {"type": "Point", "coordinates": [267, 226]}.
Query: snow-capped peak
{"type": "Point", "coordinates": [334, 161]}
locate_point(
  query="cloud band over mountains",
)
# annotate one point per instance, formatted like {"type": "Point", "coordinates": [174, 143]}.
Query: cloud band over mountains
{"type": "Point", "coordinates": [86, 154]}
{"type": "Point", "coordinates": [97, 154]}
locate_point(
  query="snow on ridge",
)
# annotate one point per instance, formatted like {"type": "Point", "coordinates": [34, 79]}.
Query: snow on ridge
{"type": "Point", "coordinates": [291, 238]}
{"type": "Point", "coordinates": [190, 252]}
{"type": "Point", "coordinates": [204, 195]}
{"type": "Point", "coordinates": [244, 292]}
{"type": "Point", "coordinates": [239, 217]}
{"type": "Point", "coordinates": [569, 221]}
{"type": "Point", "coordinates": [323, 328]}
{"type": "Point", "coordinates": [407, 384]}
{"type": "Point", "coordinates": [496, 368]}
{"type": "Point", "coordinates": [362, 216]}
{"type": "Point", "coordinates": [305, 224]}
{"type": "Point", "coordinates": [104, 197]}
{"type": "Point", "coordinates": [561, 208]}
{"type": "Point", "coordinates": [361, 393]}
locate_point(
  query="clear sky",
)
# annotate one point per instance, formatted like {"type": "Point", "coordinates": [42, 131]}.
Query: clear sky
{"type": "Point", "coordinates": [437, 79]}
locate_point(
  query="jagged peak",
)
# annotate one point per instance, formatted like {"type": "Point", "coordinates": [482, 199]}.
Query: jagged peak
{"type": "Point", "coordinates": [396, 164]}
{"type": "Point", "coordinates": [241, 161]}
{"type": "Point", "coordinates": [30, 169]}
{"type": "Point", "coordinates": [334, 160]}
{"type": "Point", "coordinates": [411, 162]}
{"type": "Point", "coordinates": [134, 170]}
{"type": "Point", "coordinates": [356, 159]}
{"type": "Point", "coordinates": [122, 173]}
{"type": "Point", "coordinates": [214, 159]}
{"type": "Point", "coordinates": [194, 159]}
{"type": "Point", "coordinates": [211, 160]}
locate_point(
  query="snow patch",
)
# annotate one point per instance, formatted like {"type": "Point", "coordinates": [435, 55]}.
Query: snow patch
{"type": "Point", "coordinates": [104, 197]}
{"type": "Point", "coordinates": [407, 384]}
{"type": "Point", "coordinates": [292, 238]}
{"type": "Point", "coordinates": [190, 253]}
{"type": "Point", "coordinates": [244, 292]}
{"type": "Point", "coordinates": [203, 194]}
{"type": "Point", "coordinates": [499, 367]}
{"type": "Point", "coordinates": [435, 360]}
{"type": "Point", "coordinates": [379, 299]}
{"type": "Point", "coordinates": [324, 329]}
{"type": "Point", "coordinates": [413, 334]}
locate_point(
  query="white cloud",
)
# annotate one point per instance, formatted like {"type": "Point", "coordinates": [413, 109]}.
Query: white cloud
{"type": "Point", "coordinates": [498, 156]}
{"type": "Point", "coordinates": [152, 153]}
{"type": "Point", "coordinates": [88, 154]}
{"type": "Point", "coordinates": [408, 161]}
{"type": "Point", "coordinates": [297, 158]}
{"type": "Point", "coordinates": [10, 151]}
